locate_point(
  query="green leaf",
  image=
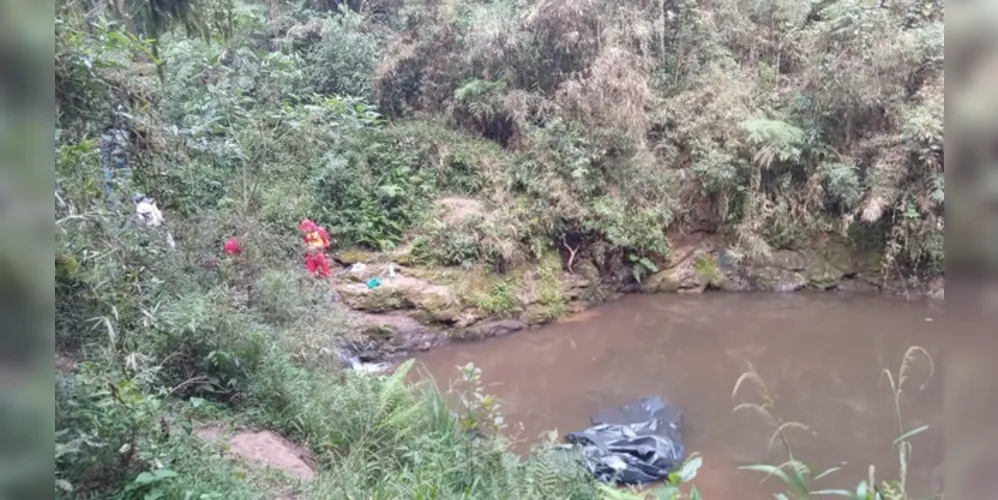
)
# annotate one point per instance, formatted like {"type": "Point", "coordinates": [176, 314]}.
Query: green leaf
{"type": "Point", "coordinates": [770, 470]}
{"type": "Point", "coordinates": [144, 478]}
{"type": "Point", "coordinates": [909, 434]}
{"type": "Point", "coordinates": [827, 472]}
{"type": "Point", "coordinates": [648, 265]}
{"type": "Point", "coordinates": [799, 477]}
{"type": "Point", "coordinates": [64, 485]}
{"type": "Point", "coordinates": [689, 469]}
{"type": "Point", "coordinates": [668, 492]}
{"type": "Point", "coordinates": [164, 473]}
{"type": "Point", "coordinates": [862, 490]}
{"type": "Point", "coordinates": [695, 493]}
{"type": "Point", "coordinates": [154, 476]}
{"type": "Point", "coordinates": [837, 493]}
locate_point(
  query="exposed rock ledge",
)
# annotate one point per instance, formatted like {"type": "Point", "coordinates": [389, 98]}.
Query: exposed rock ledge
{"type": "Point", "coordinates": [417, 308]}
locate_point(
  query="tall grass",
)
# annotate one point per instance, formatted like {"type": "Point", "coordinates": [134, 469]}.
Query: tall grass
{"type": "Point", "coordinates": [798, 477]}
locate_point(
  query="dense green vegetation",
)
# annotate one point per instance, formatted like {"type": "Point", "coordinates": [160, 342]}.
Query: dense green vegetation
{"type": "Point", "coordinates": [600, 126]}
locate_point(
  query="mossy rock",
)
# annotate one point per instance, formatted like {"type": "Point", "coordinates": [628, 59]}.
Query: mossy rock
{"type": "Point", "coordinates": [839, 256]}
{"type": "Point", "coordinates": [871, 263]}
{"type": "Point", "coordinates": [387, 299]}
{"type": "Point", "coordinates": [406, 259]}
{"type": "Point", "coordinates": [789, 260]}
{"type": "Point", "coordinates": [832, 259]}
{"type": "Point", "coordinates": [776, 279]}
{"type": "Point", "coordinates": [352, 256]}
{"type": "Point", "coordinates": [823, 274]}
{"type": "Point", "coordinates": [493, 293]}
{"type": "Point", "coordinates": [378, 333]}
{"type": "Point", "coordinates": [438, 275]}
{"type": "Point", "coordinates": [707, 271]}
{"type": "Point", "coordinates": [536, 314]}
{"type": "Point", "coordinates": [436, 306]}
{"type": "Point", "coordinates": [587, 269]}
{"type": "Point", "coordinates": [682, 277]}
{"type": "Point", "coordinates": [377, 300]}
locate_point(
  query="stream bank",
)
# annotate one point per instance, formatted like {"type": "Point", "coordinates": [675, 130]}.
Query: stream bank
{"type": "Point", "coordinates": [415, 308]}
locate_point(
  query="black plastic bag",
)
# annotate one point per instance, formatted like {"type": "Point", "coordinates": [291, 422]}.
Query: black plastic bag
{"type": "Point", "coordinates": [635, 444]}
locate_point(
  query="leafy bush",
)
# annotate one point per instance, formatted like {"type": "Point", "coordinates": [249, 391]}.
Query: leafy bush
{"type": "Point", "coordinates": [277, 295]}
{"type": "Point", "coordinates": [343, 60]}
{"type": "Point", "coordinates": [500, 299]}
{"type": "Point", "coordinates": [450, 245]}
{"type": "Point", "coordinates": [372, 197]}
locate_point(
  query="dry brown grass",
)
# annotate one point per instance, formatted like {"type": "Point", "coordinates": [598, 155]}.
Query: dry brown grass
{"type": "Point", "coordinates": [614, 93]}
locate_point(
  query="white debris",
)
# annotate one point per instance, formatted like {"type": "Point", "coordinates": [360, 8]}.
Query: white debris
{"type": "Point", "coordinates": [147, 210]}
{"type": "Point", "coordinates": [149, 213]}
{"type": "Point", "coordinates": [369, 367]}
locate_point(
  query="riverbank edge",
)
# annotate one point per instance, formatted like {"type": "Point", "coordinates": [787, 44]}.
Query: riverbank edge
{"type": "Point", "coordinates": [414, 309]}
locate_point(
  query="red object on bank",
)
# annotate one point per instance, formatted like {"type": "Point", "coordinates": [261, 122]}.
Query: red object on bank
{"type": "Point", "coordinates": [317, 264]}
{"type": "Point", "coordinates": [316, 243]}
{"type": "Point", "coordinates": [232, 246]}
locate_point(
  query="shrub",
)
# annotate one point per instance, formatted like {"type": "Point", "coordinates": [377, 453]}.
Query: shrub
{"type": "Point", "coordinates": [343, 60]}
{"type": "Point", "coordinates": [370, 196]}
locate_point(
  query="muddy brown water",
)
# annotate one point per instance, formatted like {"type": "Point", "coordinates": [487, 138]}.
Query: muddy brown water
{"type": "Point", "coordinates": [822, 357]}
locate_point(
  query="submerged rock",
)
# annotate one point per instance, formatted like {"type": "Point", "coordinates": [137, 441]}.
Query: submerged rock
{"type": "Point", "coordinates": [494, 329]}
{"type": "Point", "coordinates": [857, 286]}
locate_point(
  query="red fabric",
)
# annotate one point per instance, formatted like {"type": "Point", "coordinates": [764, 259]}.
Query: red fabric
{"type": "Point", "coordinates": [316, 242]}
{"type": "Point", "coordinates": [317, 264]}
{"type": "Point", "coordinates": [307, 225]}
{"type": "Point", "coordinates": [316, 237]}
{"type": "Point", "coordinates": [232, 246]}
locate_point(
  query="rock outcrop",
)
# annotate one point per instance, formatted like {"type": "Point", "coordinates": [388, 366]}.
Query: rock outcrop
{"type": "Point", "coordinates": [398, 309]}
{"type": "Point", "coordinates": [409, 309]}
{"type": "Point", "coordinates": [706, 263]}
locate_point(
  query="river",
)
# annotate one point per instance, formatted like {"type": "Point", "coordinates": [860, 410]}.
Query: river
{"type": "Point", "coordinates": [821, 355]}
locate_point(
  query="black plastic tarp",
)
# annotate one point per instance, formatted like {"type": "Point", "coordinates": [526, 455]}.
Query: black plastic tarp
{"type": "Point", "coordinates": [638, 443]}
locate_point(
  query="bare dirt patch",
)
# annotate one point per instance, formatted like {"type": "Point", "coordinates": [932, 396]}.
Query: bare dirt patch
{"type": "Point", "coordinates": [263, 448]}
